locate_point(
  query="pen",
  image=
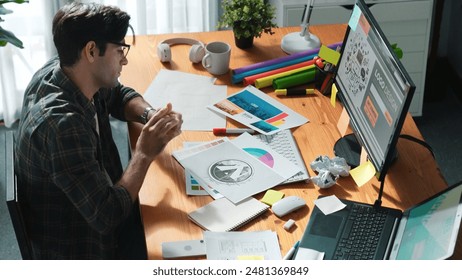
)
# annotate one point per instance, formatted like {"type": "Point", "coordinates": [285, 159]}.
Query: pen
{"type": "Point", "coordinates": [221, 131]}
{"type": "Point", "coordinates": [291, 251]}
{"type": "Point", "coordinates": [294, 92]}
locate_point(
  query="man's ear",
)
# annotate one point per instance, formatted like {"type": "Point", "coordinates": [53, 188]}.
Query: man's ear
{"type": "Point", "coordinates": [90, 51]}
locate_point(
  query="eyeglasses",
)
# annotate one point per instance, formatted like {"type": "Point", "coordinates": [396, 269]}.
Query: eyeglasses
{"type": "Point", "coordinates": [125, 47]}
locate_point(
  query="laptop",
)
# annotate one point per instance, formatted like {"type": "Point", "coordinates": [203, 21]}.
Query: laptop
{"type": "Point", "coordinates": [427, 230]}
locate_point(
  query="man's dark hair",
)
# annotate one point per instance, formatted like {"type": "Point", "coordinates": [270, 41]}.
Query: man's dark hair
{"type": "Point", "coordinates": [76, 24]}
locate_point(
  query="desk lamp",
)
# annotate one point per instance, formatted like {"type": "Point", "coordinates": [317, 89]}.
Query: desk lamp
{"type": "Point", "coordinates": [297, 42]}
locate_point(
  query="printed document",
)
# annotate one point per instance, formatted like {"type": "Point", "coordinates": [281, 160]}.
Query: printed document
{"type": "Point", "coordinates": [257, 110]}
{"type": "Point", "coordinates": [237, 168]}
{"type": "Point", "coordinates": [237, 245]}
{"type": "Point", "coordinates": [189, 94]}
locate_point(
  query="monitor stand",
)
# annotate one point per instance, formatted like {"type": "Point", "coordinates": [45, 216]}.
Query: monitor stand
{"type": "Point", "coordinates": [349, 148]}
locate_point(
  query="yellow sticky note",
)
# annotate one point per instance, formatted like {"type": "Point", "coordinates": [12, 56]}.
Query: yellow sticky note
{"type": "Point", "coordinates": [271, 196]}
{"type": "Point", "coordinates": [363, 156]}
{"type": "Point", "coordinates": [363, 173]}
{"type": "Point", "coordinates": [329, 54]}
{"type": "Point", "coordinates": [249, 258]}
{"type": "Point", "coordinates": [343, 122]}
{"type": "Point", "coordinates": [333, 95]}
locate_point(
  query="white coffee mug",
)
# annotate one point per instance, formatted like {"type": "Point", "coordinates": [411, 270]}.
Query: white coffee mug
{"type": "Point", "coordinates": [216, 59]}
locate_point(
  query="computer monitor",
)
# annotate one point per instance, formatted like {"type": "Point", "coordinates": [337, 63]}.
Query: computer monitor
{"type": "Point", "coordinates": [375, 90]}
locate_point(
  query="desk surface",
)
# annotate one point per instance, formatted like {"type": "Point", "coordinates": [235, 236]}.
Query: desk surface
{"type": "Point", "coordinates": [164, 203]}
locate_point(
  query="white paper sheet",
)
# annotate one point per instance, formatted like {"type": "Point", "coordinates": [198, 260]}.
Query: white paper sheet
{"type": "Point", "coordinates": [237, 169]}
{"type": "Point", "coordinates": [267, 155]}
{"type": "Point", "coordinates": [329, 204]}
{"type": "Point", "coordinates": [235, 245]}
{"type": "Point", "coordinates": [192, 185]}
{"type": "Point", "coordinates": [189, 94]}
{"type": "Point", "coordinates": [308, 254]}
{"type": "Point", "coordinates": [231, 171]}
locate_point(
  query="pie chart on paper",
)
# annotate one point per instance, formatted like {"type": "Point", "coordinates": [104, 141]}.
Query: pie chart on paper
{"type": "Point", "coordinates": [262, 155]}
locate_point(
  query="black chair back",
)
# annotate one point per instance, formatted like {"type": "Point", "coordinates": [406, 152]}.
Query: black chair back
{"type": "Point", "coordinates": [12, 199]}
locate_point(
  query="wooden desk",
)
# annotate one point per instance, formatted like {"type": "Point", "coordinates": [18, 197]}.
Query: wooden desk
{"type": "Point", "coordinates": [165, 205]}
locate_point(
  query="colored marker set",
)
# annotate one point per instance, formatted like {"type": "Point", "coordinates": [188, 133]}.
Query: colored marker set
{"type": "Point", "coordinates": [324, 68]}
{"type": "Point", "coordinates": [282, 73]}
{"type": "Point", "coordinates": [285, 73]}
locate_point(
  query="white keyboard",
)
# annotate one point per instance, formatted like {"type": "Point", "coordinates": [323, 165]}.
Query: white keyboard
{"type": "Point", "coordinates": [284, 143]}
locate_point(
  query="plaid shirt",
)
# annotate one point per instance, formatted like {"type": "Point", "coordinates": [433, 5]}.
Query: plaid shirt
{"type": "Point", "coordinates": [67, 168]}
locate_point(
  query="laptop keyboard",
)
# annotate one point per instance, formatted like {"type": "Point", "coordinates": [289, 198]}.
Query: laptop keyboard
{"type": "Point", "coordinates": [284, 143]}
{"type": "Point", "coordinates": [362, 233]}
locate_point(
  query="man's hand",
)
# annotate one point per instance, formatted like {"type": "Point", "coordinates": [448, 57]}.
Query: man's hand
{"type": "Point", "coordinates": [163, 126]}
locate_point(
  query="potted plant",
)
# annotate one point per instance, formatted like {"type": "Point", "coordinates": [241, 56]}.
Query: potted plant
{"type": "Point", "coordinates": [247, 19]}
{"type": "Point", "coordinates": [5, 35]}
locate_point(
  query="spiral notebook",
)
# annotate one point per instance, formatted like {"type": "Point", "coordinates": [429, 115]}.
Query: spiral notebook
{"type": "Point", "coordinates": [223, 215]}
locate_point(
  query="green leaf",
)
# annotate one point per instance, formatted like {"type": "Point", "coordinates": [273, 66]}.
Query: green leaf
{"type": "Point", "coordinates": [5, 35]}
{"type": "Point", "coordinates": [398, 51]}
{"type": "Point", "coordinates": [13, 1]}
{"type": "Point", "coordinates": [8, 37]}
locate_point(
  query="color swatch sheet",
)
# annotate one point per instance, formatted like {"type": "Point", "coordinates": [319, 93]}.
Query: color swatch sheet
{"type": "Point", "coordinates": [255, 109]}
{"type": "Point", "coordinates": [193, 187]}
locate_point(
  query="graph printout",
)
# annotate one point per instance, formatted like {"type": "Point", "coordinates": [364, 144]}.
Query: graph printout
{"type": "Point", "coordinates": [237, 168]}
{"type": "Point", "coordinates": [261, 112]}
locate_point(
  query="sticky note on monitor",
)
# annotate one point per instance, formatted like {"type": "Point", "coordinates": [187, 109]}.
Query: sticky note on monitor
{"type": "Point", "coordinates": [354, 19]}
{"type": "Point", "coordinates": [343, 122]}
{"type": "Point", "coordinates": [333, 95]}
{"type": "Point", "coordinates": [329, 54]}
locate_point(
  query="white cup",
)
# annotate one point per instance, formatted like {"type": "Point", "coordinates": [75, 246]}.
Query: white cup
{"type": "Point", "coordinates": [216, 59]}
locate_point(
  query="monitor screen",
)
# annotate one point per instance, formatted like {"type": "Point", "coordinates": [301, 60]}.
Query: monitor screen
{"type": "Point", "coordinates": [374, 88]}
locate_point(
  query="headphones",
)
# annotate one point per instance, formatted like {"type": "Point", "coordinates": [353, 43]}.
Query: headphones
{"type": "Point", "coordinates": [196, 53]}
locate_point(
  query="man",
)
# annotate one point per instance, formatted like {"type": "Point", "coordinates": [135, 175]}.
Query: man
{"type": "Point", "coordinates": [78, 202]}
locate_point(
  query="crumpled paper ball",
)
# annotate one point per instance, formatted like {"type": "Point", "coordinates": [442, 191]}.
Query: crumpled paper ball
{"type": "Point", "coordinates": [329, 170]}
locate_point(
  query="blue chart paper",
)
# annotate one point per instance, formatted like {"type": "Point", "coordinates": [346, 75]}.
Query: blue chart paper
{"type": "Point", "coordinates": [256, 110]}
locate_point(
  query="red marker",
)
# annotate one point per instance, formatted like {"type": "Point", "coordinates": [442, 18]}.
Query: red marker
{"type": "Point", "coordinates": [222, 131]}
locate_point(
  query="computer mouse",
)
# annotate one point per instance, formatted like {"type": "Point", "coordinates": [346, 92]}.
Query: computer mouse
{"type": "Point", "coordinates": [287, 204]}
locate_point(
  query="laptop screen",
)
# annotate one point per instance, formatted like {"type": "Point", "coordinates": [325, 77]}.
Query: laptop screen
{"type": "Point", "coordinates": [432, 227]}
